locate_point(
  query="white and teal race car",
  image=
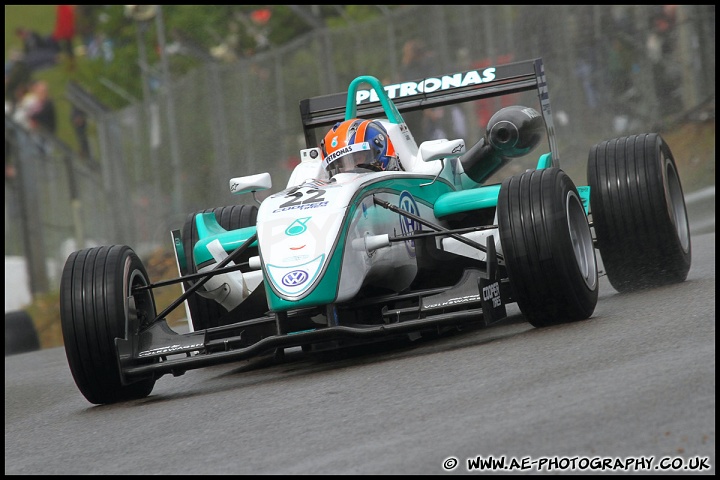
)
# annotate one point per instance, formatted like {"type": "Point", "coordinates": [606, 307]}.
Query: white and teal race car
{"type": "Point", "coordinates": [361, 256]}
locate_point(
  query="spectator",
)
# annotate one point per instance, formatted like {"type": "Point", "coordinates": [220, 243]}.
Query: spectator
{"type": "Point", "coordinates": [32, 40]}
{"type": "Point", "coordinates": [26, 102]}
{"type": "Point", "coordinates": [86, 20]}
{"type": "Point", "coordinates": [664, 18]}
{"type": "Point", "coordinates": [433, 124]}
{"type": "Point", "coordinates": [41, 112]}
{"type": "Point", "coordinates": [437, 123]}
{"type": "Point", "coordinates": [64, 32]}
{"type": "Point", "coordinates": [10, 172]}
{"type": "Point", "coordinates": [78, 118]}
{"type": "Point", "coordinates": [416, 63]}
{"type": "Point", "coordinates": [621, 64]}
{"type": "Point", "coordinates": [38, 51]}
{"type": "Point", "coordinates": [17, 80]}
{"type": "Point", "coordinates": [660, 46]}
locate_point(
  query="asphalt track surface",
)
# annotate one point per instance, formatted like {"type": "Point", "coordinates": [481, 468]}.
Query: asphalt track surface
{"type": "Point", "coordinates": [630, 390]}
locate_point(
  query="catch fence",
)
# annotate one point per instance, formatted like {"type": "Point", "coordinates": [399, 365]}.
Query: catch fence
{"type": "Point", "coordinates": [610, 72]}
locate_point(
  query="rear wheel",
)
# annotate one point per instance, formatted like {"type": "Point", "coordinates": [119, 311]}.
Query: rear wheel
{"type": "Point", "coordinates": [205, 312]}
{"type": "Point", "coordinates": [95, 309]}
{"type": "Point", "coordinates": [638, 212]}
{"type": "Point", "coordinates": [547, 247]}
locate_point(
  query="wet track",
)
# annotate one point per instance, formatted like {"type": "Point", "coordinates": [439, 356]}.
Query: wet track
{"type": "Point", "coordinates": [636, 381]}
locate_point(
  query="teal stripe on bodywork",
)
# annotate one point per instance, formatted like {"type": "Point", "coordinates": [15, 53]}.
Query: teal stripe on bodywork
{"type": "Point", "coordinates": [210, 230]}
{"type": "Point", "coordinates": [325, 291]}
{"type": "Point", "coordinates": [474, 197]}
{"type": "Point", "coordinates": [207, 225]}
{"type": "Point", "coordinates": [466, 200]}
{"type": "Point", "coordinates": [544, 161]}
{"type": "Point", "coordinates": [584, 192]}
{"type": "Point", "coordinates": [322, 294]}
{"type": "Point", "coordinates": [391, 111]}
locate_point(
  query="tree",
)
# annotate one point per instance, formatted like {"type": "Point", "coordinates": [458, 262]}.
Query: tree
{"type": "Point", "coordinates": [197, 34]}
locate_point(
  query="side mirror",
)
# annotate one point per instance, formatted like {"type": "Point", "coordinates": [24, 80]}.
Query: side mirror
{"type": "Point", "coordinates": [437, 149]}
{"type": "Point", "coordinates": [250, 183]}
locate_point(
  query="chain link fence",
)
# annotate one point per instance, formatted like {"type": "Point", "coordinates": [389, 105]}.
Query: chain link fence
{"type": "Point", "coordinates": [612, 70]}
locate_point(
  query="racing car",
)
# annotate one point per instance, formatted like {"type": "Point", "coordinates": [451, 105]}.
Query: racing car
{"type": "Point", "coordinates": [352, 252]}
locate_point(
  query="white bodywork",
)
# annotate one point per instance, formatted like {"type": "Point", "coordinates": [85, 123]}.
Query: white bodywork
{"type": "Point", "coordinates": [300, 228]}
{"type": "Point", "coordinates": [298, 239]}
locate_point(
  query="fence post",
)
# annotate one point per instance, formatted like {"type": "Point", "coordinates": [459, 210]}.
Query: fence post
{"type": "Point", "coordinates": [75, 203]}
{"type": "Point", "coordinates": [30, 214]}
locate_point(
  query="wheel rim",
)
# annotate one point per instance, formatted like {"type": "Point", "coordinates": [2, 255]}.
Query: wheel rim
{"type": "Point", "coordinates": [676, 204]}
{"type": "Point", "coordinates": [144, 301]}
{"type": "Point", "coordinates": [581, 240]}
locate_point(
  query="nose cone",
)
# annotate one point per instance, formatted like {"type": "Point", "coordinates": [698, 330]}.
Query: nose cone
{"type": "Point", "coordinates": [298, 230]}
{"type": "Point", "coordinates": [292, 281]}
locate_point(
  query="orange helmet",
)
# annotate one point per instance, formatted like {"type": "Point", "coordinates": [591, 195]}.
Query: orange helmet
{"type": "Point", "coordinates": [358, 143]}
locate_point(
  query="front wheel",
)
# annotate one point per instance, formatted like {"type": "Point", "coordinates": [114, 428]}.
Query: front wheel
{"type": "Point", "coordinates": [95, 309]}
{"type": "Point", "coordinates": [638, 212]}
{"type": "Point", "coordinates": [547, 247]}
{"type": "Point", "coordinates": [205, 312]}
{"type": "Point", "coordinates": [20, 333]}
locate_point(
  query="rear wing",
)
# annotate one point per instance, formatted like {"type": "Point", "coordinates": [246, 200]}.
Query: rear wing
{"type": "Point", "coordinates": [325, 111]}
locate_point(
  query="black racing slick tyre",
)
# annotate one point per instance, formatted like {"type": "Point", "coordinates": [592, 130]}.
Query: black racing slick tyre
{"type": "Point", "coordinates": [547, 247]}
{"type": "Point", "coordinates": [638, 212]}
{"type": "Point", "coordinates": [96, 309]}
{"type": "Point", "coordinates": [20, 333]}
{"type": "Point", "coordinates": [205, 312]}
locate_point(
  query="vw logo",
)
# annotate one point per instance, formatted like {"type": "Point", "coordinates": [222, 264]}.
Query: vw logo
{"type": "Point", "coordinates": [408, 225]}
{"type": "Point", "coordinates": [407, 203]}
{"type": "Point", "coordinates": [294, 278]}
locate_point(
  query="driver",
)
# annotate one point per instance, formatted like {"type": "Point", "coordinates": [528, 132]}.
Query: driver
{"type": "Point", "coordinates": [358, 145]}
